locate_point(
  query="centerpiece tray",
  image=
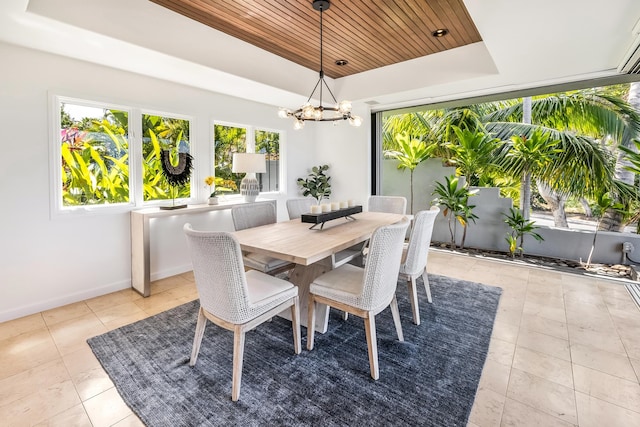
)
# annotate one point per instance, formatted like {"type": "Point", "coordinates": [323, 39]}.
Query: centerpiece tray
{"type": "Point", "coordinates": [321, 218]}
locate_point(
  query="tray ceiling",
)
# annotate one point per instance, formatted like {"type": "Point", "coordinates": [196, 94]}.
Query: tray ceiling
{"type": "Point", "coordinates": [368, 34]}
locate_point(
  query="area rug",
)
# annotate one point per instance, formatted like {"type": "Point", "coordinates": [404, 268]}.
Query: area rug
{"type": "Point", "coordinates": [430, 379]}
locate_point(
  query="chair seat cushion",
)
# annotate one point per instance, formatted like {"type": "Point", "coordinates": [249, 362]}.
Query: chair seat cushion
{"type": "Point", "coordinates": [342, 284]}
{"type": "Point", "coordinates": [268, 290]}
{"type": "Point", "coordinates": [263, 263]}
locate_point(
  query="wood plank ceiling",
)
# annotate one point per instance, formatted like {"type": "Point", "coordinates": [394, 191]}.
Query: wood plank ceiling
{"type": "Point", "coordinates": [368, 34]}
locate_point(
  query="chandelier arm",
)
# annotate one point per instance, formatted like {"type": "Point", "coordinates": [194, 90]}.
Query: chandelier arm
{"type": "Point", "coordinates": [314, 90]}
{"type": "Point", "coordinates": [331, 93]}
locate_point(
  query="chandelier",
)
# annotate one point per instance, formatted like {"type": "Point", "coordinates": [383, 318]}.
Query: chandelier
{"type": "Point", "coordinates": [339, 110]}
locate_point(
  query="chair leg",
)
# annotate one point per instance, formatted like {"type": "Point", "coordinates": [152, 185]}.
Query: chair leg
{"type": "Point", "coordinates": [372, 345]}
{"type": "Point", "coordinates": [197, 339]}
{"type": "Point", "coordinates": [238, 356]}
{"type": "Point", "coordinates": [427, 288]}
{"type": "Point", "coordinates": [413, 296]}
{"type": "Point", "coordinates": [345, 315]}
{"type": "Point", "coordinates": [295, 324]}
{"type": "Point", "coordinates": [396, 318]}
{"type": "Point", "coordinates": [311, 322]}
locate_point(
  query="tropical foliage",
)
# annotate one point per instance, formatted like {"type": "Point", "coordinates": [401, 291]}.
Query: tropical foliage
{"type": "Point", "coordinates": [453, 199]}
{"type": "Point", "coordinates": [520, 227]}
{"type": "Point", "coordinates": [95, 158]}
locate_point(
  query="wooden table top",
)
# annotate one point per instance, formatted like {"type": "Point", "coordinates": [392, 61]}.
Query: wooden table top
{"type": "Point", "coordinates": [293, 240]}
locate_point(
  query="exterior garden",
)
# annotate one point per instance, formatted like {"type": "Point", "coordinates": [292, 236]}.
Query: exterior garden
{"type": "Point", "coordinates": [489, 166]}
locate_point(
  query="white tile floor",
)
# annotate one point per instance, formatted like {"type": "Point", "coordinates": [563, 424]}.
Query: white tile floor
{"type": "Point", "coordinates": [565, 351]}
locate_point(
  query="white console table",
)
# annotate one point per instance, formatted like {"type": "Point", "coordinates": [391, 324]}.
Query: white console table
{"type": "Point", "coordinates": [141, 241]}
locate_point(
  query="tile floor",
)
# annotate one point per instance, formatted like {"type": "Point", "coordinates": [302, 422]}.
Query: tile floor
{"type": "Point", "coordinates": [565, 351]}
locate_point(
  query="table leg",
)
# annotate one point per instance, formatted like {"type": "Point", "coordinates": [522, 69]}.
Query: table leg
{"type": "Point", "coordinates": [302, 276]}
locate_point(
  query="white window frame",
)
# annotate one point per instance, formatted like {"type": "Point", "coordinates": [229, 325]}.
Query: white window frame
{"type": "Point", "coordinates": [57, 209]}
{"type": "Point", "coordinates": [251, 146]}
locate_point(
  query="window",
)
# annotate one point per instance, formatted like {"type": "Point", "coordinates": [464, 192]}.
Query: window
{"type": "Point", "coordinates": [101, 161]}
{"type": "Point", "coordinates": [94, 150]}
{"type": "Point", "coordinates": [161, 133]}
{"type": "Point", "coordinates": [229, 139]}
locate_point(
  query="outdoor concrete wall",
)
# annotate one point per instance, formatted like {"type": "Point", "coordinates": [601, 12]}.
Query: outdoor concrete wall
{"type": "Point", "coordinates": [489, 230]}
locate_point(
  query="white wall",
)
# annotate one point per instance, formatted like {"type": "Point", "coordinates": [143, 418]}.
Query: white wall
{"type": "Point", "coordinates": [45, 262]}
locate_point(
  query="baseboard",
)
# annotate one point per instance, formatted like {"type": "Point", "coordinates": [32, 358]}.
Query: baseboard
{"type": "Point", "coordinates": [59, 301]}
{"type": "Point", "coordinates": [171, 272]}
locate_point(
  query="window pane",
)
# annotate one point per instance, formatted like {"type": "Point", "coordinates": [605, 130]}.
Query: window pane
{"type": "Point", "coordinates": [161, 134]}
{"type": "Point", "coordinates": [228, 140]}
{"type": "Point", "coordinates": [95, 155]}
{"type": "Point", "coordinates": [268, 142]}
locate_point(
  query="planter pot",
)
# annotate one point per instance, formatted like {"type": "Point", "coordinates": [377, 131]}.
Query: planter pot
{"type": "Point", "coordinates": [213, 200]}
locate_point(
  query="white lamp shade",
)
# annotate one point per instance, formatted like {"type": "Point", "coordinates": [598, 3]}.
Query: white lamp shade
{"type": "Point", "coordinates": [249, 163]}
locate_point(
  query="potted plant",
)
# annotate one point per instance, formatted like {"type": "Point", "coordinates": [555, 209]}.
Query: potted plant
{"type": "Point", "coordinates": [316, 184]}
{"type": "Point", "coordinates": [218, 186]}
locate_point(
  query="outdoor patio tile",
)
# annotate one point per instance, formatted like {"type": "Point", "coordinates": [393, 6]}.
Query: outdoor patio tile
{"type": "Point", "coordinates": [487, 408]}
{"type": "Point", "coordinates": [75, 416]}
{"type": "Point", "coordinates": [28, 382]}
{"type": "Point", "coordinates": [72, 335]}
{"type": "Point", "coordinates": [597, 321]}
{"type": "Point", "coordinates": [581, 302]}
{"type": "Point", "coordinates": [545, 326]}
{"type": "Point", "coordinates": [516, 414]}
{"type": "Point", "coordinates": [603, 361]}
{"type": "Point", "coordinates": [542, 310]}
{"type": "Point", "coordinates": [622, 304]}
{"type": "Point", "coordinates": [543, 343]}
{"type": "Point", "coordinates": [501, 351]}
{"type": "Point", "coordinates": [66, 312]}
{"type": "Point", "coordinates": [19, 326]}
{"type": "Point", "coordinates": [495, 377]}
{"type": "Point", "coordinates": [107, 408]}
{"type": "Point", "coordinates": [41, 405]}
{"type": "Point", "coordinates": [608, 341]}
{"type": "Point", "coordinates": [544, 366]}
{"type": "Point", "coordinates": [505, 331]}
{"type": "Point", "coordinates": [631, 341]}
{"type": "Point", "coordinates": [547, 396]}
{"type": "Point", "coordinates": [26, 351]}
{"type": "Point", "coordinates": [546, 299]}
{"type": "Point", "coordinates": [636, 367]}
{"type": "Point", "coordinates": [512, 317]}
{"type": "Point", "coordinates": [607, 387]}
{"type": "Point", "coordinates": [593, 412]}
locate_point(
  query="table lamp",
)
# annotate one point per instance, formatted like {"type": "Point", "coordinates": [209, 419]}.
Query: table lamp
{"type": "Point", "coordinates": [249, 163]}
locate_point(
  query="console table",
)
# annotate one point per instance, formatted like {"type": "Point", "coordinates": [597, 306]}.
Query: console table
{"type": "Point", "coordinates": [141, 241]}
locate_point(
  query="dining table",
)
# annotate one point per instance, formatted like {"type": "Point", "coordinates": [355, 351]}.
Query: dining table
{"type": "Point", "coordinates": [310, 250]}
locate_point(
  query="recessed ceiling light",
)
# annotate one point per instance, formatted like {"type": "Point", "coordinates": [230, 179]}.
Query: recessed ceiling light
{"type": "Point", "coordinates": [440, 32]}
{"type": "Point", "coordinates": [341, 62]}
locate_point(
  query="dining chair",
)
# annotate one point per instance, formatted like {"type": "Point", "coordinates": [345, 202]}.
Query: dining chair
{"type": "Point", "coordinates": [297, 207]}
{"type": "Point", "coordinates": [364, 292]}
{"type": "Point", "coordinates": [232, 299]}
{"type": "Point", "coordinates": [389, 204]}
{"type": "Point", "coordinates": [252, 215]}
{"type": "Point", "coordinates": [414, 257]}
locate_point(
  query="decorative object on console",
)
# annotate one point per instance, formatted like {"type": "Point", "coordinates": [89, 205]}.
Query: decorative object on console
{"type": "Point", "coordinates": [217, 186]}
{"type": "Point", "coordinates": [249, 163]}
{"type": "Point", "coordinates": [176, 175]}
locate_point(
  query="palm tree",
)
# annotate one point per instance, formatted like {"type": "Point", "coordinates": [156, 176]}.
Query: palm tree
{"type": "Point", "coordinates": [579, 120]}
{"type": "Point", "coordinates": [474, 153]}
{"type": "Point", "coordinates": [410, 153]}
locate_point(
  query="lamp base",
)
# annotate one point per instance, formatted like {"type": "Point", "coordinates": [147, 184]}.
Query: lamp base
{"type": "Point", "coordinates": [249, 187]}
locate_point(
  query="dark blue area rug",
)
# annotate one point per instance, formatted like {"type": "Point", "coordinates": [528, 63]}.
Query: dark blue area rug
{"type": "Point", "coordinates": [428, 380]}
